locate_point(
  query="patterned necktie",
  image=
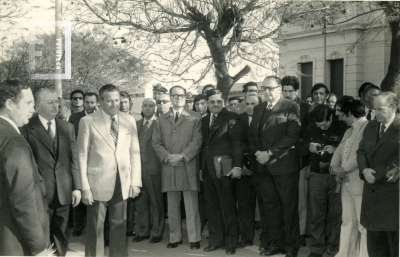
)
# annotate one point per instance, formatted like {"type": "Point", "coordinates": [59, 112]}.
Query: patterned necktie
{"type": "Point", "coordinates": [176, 116]}
{"type": "Point", "coordinates": [145, 125]}
{"type": "Point", "coordinates": [269, 107]}
{"type": "Point", "coordinates": [369, 115]}
{"type": "Point", "coordinates": [49, 130]}
{"type": "Point", "coordinates": [383, 127]}
{"type": "Point", "coordinates": [114, 130]}
{"type": "Point", "coordinates": [213, 118]}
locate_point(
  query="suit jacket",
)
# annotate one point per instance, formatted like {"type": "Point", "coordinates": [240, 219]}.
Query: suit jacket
{"type": "Point", "coordinates": [24, 220]}
{"type": "Point", "coordinates": [281, 133]}
{"type": "Point", "coordinates": [380, 204]}
{"type": "Point", "coordinates": [75, 118]}
{"type": "Point", "coordinates": [57, 168]}
{"type": "Point", "coordinates": [348, 160]}
{"type": "Point", "coordinates": [99, 158]}
{"type": "Point", "coordinates": [223, 138]}
{"type": "Point", "coordinates": [183, 137]}
{"type": "Point", "coordinates": [151, 165]}
{"type": "Point", "coordinates": [305, 109]}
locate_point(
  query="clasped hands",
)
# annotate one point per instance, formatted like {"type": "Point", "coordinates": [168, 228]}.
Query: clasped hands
{"type": "Point", "coordinates": [262, 156]}
{"type": "Point", "coordinates": [328, 148]}
{"type": "Point", "coordinates": [339, 172]}
{"type": "Point", "coordinates": [173, 159]}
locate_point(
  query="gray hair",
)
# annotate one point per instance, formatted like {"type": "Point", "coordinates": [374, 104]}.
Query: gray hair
{"type": "Point", "coordinates": [390, 97]}
{"type": "Point", "coordinates": [40, 91]}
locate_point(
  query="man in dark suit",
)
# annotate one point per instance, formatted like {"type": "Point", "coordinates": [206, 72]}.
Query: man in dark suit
{"type": "Point", "coordinates": [222, 136]}
{"type": "Point", "coordinates": [150, 202]}
{"type": "Point", "coordinates": [273, 134]}
{"type": "Point", "coordinates": [248, 183]}
{"type": "Point", "coordinates": [53, 143]}
{"type": "Point", "coordinates": [378, 162]}
{"type": "Point", "coordinates": [90, 103]}
{"type": "Point", "coordinates": [24, 222]}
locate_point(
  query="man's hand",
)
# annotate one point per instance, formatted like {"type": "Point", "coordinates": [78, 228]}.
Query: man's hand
{"type": "Point", "coordinates": [134, 191]}
{"type": "Point", "coordinates": [262, 156]}
{"type": "Point", "coordinates": [330, 149]}
{"type": "Point", "coordinates": [174, 159]}
{"type": "Point", "coordinates": [87, 197]}
{"type": "Point", "coordinates": [313, 147]}
{"type": "Point", "coordinates": [368, 175]}
{"type": "Point", "coordinates": [235, 173]}
{"type": "Point", "coordinates": [339, 172]}
{"type": "Point", "coordinates": [76, 197]}
{"type": "Point", "coordinates": [393, 175]}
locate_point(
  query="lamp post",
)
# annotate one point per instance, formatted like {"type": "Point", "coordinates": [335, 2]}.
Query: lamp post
{"type": "Point", "coordinates": [59, 49]}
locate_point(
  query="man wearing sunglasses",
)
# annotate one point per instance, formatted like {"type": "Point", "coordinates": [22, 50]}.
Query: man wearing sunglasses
{"type": "Point", "coordinates": [77, 101]}
{"type": "Point", "coordinates": [163, 104]}
{"type": "Point", "coordinates": [177, 142]}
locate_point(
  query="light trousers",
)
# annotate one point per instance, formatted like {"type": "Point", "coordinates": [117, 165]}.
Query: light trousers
{"type": "Point", "coordinates": [353, 236]}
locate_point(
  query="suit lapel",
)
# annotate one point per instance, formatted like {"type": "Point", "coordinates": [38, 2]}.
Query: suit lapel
{"type": "Point", "coordinates": [389, 132]}
{"type": "Point", "coordinates": [257, 118]}
{"type": "Point", "coordinates": [100, 125]}
{"type": "Point", "coordinates": [275, 110]}
{"type": "Point", "coordinates": [39, 132]}
{"type": "Point", "coordinates": [182, 117]}
{"type": "Point", "coordinates": [123, 128]}
{"type": "Point", "coordinates": [139, 126]}
{"type": "Point", "coordinates": [218, 121]}
{"type": "Point", "coordinates": [62, 137]}
{"type": "Point", "coordinates": [171, 118]}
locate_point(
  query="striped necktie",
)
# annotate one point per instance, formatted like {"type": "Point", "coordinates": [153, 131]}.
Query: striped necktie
{"type": "Point", "coordinates": [383, 127]}
{"type": "Point", "coordinates": [213, 118]}
{"type": "Point", "coordinates": [114, 130]}
{"type": "Point", "coordinates": [49, 130]}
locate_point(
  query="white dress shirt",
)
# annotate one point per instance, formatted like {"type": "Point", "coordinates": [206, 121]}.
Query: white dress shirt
{"type": "Point", "coordinates": [250, 119]}
{"type": "Point", "coordinates": [149, 120]}
{"type": "Point", "coordinates": [387, 125]}
{"type": "Point", "coordinates": [175, 111]}
{"type": "Point", "coordinates": [11, 122]}
{"type": "Point", "coordinates": [273, 103]}
{"type": "Point", "coordinates": [108, 119]}
{"type": "Point", "coordinates": [44, 122]}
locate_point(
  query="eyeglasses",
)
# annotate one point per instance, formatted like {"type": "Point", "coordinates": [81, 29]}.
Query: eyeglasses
{"type": "Point", "coordinates": [176, 96]}
{"type": "Point", "coordinates": [55, 102]}
{"type": "Point", "coordinates": [77, 98]}
{"type": "Point", "coordinates": [270, 89]}
{"type": "Point", "coordinates": [162, 101]}
{"type": "Point", "coordinates": [217, 102]}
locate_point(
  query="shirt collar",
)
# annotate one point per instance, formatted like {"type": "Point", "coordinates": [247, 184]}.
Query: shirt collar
{"type": "Point", "coordinates": [179, 110]}
{"type": "Point", "coordinates": [358, 122]}
{"type": "Point", "coordinates": [273, 103]}
{"type": "Point", "coordinates": [149, 120]}
{"type": "Point", "coordinates": [387, 125]}
{"type": "Point", "coordinates": [44, 121]}
{"type": "Point", "coordinates": [367, 110]}
{"type": "Point", "coordinates": [11, 122]}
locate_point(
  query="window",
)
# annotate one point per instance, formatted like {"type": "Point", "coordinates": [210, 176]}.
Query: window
{"type": "Point", "coordinates": [336, 77]}
{"type": "Point", "coordinates": [306, 81]}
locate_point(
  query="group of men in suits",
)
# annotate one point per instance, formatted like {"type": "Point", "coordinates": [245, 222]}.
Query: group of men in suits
{"type": "Point", "coordinates": [108, 157]}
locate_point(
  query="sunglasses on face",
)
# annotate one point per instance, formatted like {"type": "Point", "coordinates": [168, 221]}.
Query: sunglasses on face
{"type": "Point", "coordinates": [77, 98]}
{"type": "Point", "coordinates": [162, 101]}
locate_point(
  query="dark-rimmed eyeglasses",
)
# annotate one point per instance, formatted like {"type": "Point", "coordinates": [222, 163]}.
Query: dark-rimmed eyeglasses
{"type": "Point", "coordinates": [77, 98]}
{"type": "Point", "coordinates": [270, 89]}
{"type": "Point", "coordinates": [162, 101]}
{"type": "Point", "coordinates": [216, 102]}
{"type": "Point", "coordinates": [176, 96]}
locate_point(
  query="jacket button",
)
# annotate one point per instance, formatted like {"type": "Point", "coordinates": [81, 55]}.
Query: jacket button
{"type": "Point", "coordinates": [173, 131]}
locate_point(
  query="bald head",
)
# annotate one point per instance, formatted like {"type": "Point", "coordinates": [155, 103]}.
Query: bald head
{"type": "Point", "coordinates": [148, 108]}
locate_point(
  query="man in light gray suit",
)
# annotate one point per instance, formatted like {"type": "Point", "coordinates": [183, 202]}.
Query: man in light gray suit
{"type": "Point", "coordinates": [177, 141]}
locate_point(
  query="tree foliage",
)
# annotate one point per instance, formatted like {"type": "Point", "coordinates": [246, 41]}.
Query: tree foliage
{"type": "Point", "coordinates": [188, 37]}
{"type": "Point", "coordinates": [93, 64]}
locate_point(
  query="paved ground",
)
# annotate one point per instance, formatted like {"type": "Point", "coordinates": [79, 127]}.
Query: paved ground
{"type": "Point", "coordinates": [77, 247]}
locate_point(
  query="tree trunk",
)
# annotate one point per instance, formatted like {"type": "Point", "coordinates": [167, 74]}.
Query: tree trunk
{"type": "Point", "coordinates": [391, 82]}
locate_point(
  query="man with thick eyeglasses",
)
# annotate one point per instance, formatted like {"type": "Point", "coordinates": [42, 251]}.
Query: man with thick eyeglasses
{"type": "Point", "coordinates": [177, 142]}
{"type": "Point", "coordinates": [273, 135]}
{"type": "Point", "coordinates": [53, 144]}
{"type": "Point", "coordinates": [77, 101]}
{"type": "Point", "coordinates": [222, 136]}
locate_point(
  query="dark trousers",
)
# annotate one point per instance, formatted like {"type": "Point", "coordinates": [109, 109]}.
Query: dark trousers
{"type": "Point", "coordinates": [325, 205]}
{"type": "Point", "coordinates": [221, 210]}
{"type": "Point", "coordinates": [280, 196]}
{"type": "Point", "coordinates": [246, 200]}
{"type": "Point", "coordinates": [150, 203]}
{"type": "Point", "coordinates": [383, 243]}
{"type": "Point", "coordinates": [59, 215]}
{"type": "Point", "coordinates": [130, 214]}
{"type": "Point", "coordinates": [79, 213]}
{"type": "Point", "coordinates": [95, 225]}
{"type": "Point", "coordinates": [265, 237]}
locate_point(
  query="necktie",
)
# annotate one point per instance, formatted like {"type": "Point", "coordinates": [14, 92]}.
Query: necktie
{"type": "Point", "coordinates": [269, 107]}
{"type": "Point", "coordinates": [114, 130]}
{"type": "Point", "coordinates": [145, 125]}
{"type": "Point", "coordinates": [49, 130]}
{"type": "Point", "coordinates": [213, 117]}
{"type": "Point", "coordinates": [369, 115]}
{"type": "Point", "coordinates": [176, 116]}
{"type": "Point", "coordinates": [383, 127]}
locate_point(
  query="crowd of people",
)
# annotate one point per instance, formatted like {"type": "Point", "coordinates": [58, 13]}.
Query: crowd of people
{"type": "Point", "coordinates": [325, 169]}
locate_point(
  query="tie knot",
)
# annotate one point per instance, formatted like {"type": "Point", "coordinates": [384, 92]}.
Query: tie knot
{"type": "Point", "coordinates": [112, 118]}
{"type": "Point", "coordinates": [269, 106]}
{"type": "Point", "coordinates": [383, 127]}
{"type": "Point", "coordinates": [49, 123]}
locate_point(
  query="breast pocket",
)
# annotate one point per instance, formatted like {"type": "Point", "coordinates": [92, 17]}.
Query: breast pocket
{"type": "Point", "coordinates": [281, 119]}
